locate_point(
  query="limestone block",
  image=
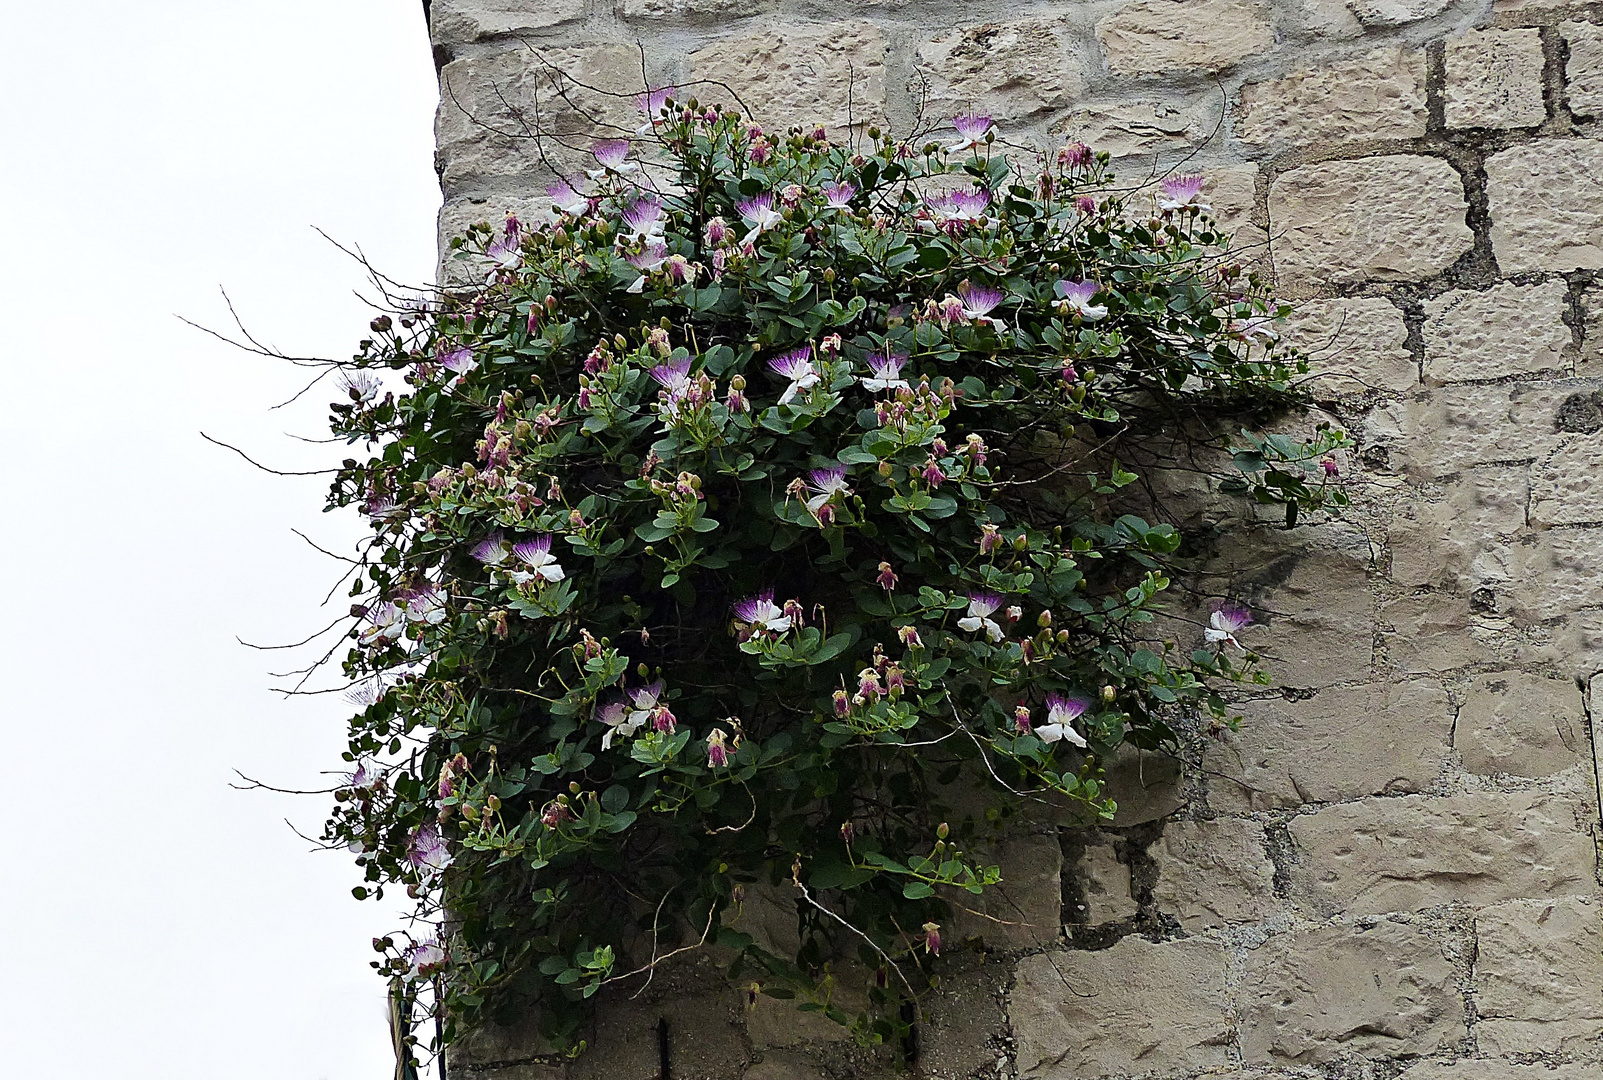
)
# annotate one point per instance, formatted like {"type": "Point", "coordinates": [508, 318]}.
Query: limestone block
{"type": "Point", "coordinates": [1382, 989]}
{"type": "Point", "coordinates": [1546, 202]}
{"type": "Point", "coordinates": [1590, 361]}
{"type": "Point", "coordinates": [1373, 13]}
{"type": "Point", "coordinates": [1025, 911]}
{"type": "Point", "coordinates": [1482, 1069]}
{"type": "Point", "coordinates": [1420, 851]}
{"type": "Point", "coordinates": [1135, 125]}
{"type": "Point", "coordinates": [705, 1018]}
{"type": "Point", "coordinates": [1342, 743]}
{"type": "Point", "coordinates": [1378, 96]}
{"type": "Point", "coordinates": [1430, 631]}
{"type": "Point", "coordinates": [1553, 573]}
{"type": "Point", "coordinates": [965, 1021]}
{"type": "Point", "coordinates": [826, 73]}
{"type": "Point", "coordinates": [1564, 488]}
{"type": "Point", "coordinates": [1133, 1008]}
{"type": "Point", "coordinates": [1397, 217]}
{"type": "Point", "coordinates": [1444, 432]}
{"type": "Point", "coordinates": [497, 112]}
{"type": "Point", "coordinates": [1154, 37]}
{"type": "Point", "coordinates": [1214, 873]}
{"type": "Point", "coordinates": [1105, 884]}
{"type": "Point", "coordinates": [1354, 344]}
{"type": "Point", "coordinates": [1011, 70]}
{"type": "Point", "coordinates": [658, 9]}
{"type": "Point", "coordinates": [1526, 725]}
{"type": "Point", "coordinates": [1538, 967]}
{"type": "Point", "coordinates": [784, 1067]}
{"type": "Point", "coordinates": [1145, 785]}
{"type": "Point", "coordinates": [1583, 70]}
{"type": "Point", "coordinates": [454, 22]}
{"type": "Point", "coordinates": [1232, 191]}
{"type": "Point", "coordinates": [1441, 542]}
{"type": "Point", "coordinates": [777, 1023]}
{"type": "Point", "coordinates": [495, 1044]}
{"type": "Point", "coordinates": [767, 912]}
{"type": "Point", "coordinates": [1494, 79]}
{"type": "Point", "coordinates": [1323, 19]}
{"type": "Point", "coordinates": [1505, 330]}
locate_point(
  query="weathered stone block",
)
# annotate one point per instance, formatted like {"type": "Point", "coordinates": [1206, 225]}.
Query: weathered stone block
{"type": "Point", "coordinates": [1494, 79]}
{"type": "Point", "coordinates": [1505, 330]}
{"type": "Point", "coordinates": [1343, 743]}
{"type": "Point", "coordinates": [1396, 12]}
{"type": "Point", "coordinates": [1145, 785]}
{"type": "Point", "coordinates": [1443, 432]}
{"type": "Point", "coordinates": [1379, 96]}
{"type": "Point", "coordinates": [1512, 722]}
{"type": "Point", "coordinates": [966, 1021]}
{"type": "Point", "coordinates": [1398, 217]}
{"type": "Point", "coordinates": [1354, 344]}
{"type": "Point", "coordinates": [1538, 967]}
{"type": "Point", "coordinates": [657, 9]}
{"type": "Point", "coordinates": [1011, 70]}
{"type": "Point", "coordinates": [1137, 125]}
{"type": "Point", "coordinates": [826, 73]}
{"type": "Point", "coordinates": [1590, 361]}
{"type": "Point", "coordinates": [1232, 191]}
{"type": "Point", "coordinates": [705, 1017]}
{"type": "Point", "coordinates": [784, 1067]}
{"type": "Point", "coordinates": [1026, 910]}
{"type": "Point", "coordinates": [454, 22]}
{"type": "Point", "coordinates": [1583, 70]}
{"type": "Point", "coordinates": [1546, 201]}
{"type": "Point", "coordinates": [1153, 37]}
{"type": "Point", "coordinates": [1443, 540]}
{"type": "Point", "coordinates": [497, 112]}
{"type": "Point", "coordinates": [778, 1023]}
{"type": "Point", "coordinates": [1214, 873]}
{"type": "Point", "coordinates": [1376, 990]}
{"type": "Point", "coordinates": [1483, 1069]}
{"type": "Point", "coordinates": [1552, 573]}
{"type": "Point", "coordinates": [1105, 884]}
{"type": "Point", "coordinates": [1430, 631]}
{"type": "Point", "coordinates": [1133, 1008]}
{"type": "Point", "coordinates": [1419, 851]}
{"type": "Point", "coordinates": [1564, 487]}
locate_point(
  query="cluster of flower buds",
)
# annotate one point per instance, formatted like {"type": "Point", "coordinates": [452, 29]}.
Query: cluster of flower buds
{"type": "Point", "coordinates": [921, 404]}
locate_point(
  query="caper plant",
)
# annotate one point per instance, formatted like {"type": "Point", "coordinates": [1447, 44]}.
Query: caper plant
{"type": "Point", "coordinates": [747, 507]}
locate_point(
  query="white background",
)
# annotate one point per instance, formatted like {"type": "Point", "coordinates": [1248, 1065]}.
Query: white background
{"type": "Point", "coordinates": [156, 922]}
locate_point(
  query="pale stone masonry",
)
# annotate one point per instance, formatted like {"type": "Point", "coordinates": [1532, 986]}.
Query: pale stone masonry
{"type": "Point", "coordinates": [1391, 870]}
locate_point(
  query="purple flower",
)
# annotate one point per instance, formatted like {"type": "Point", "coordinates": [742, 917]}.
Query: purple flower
{"type": "Point", "coordinates": [566, 196]}
{"type": "Point", "coordinates": [1182, 191]}
{"type": "Point", "coordinates": [651, 258]}
{"type": "Point", "coordinates": [1328, 463]}
{"type": "Point", "coordinates": [1061, 712]}
{"type": "Point", "coordinates": [1076, 155]}
{"type": "Point", "coordinates": [969, 205]}
{"type": "Point", "coordinates": [973, 130]}
{"type": "Point", "coordinates": [427, 850]}
{"type": "Point", "coordinates": [506, 251]}
{"type": "Point", "coordinates": [978, 301]}
{"type": "Point", "coordinates": [933, 476]}
{"type": "Point", "coordinates": [932, 938]}
{"type": "Point", "coordinates": [797, 366]}
{"type": "Point", "coordinates": [826, 482]}
{"type": "Point", "coordinates": [1076, 296]}
{"type": "Point", "coordinates": [1226, 620]}
{"type": "Point", "coordinates": [365, 776]}
{"type": "Point", "coordinates": [887, 373]}
{"type": "Point", "coordinates": [491, 551]}
{"type": "Point", "coordinates": [1085, 204]}
{"type": "Point", "coordinates": [645, 221]}
{"type": "Point", "coordinates": [611, 154]}
{"type": "Point", "coordinates": [673, 377]}
{"type": "Point", "coordinates": [619, 719]}
{"type": "Point", "coordinates": [760, 614]}
{"type": "Point", "coordinates": [386, 625]}
{"type": "Point", "coordinates": [536, 555]}
{"type": "Point", "coordinates": [457, 360]}
{"type": "Point", "coordinates": [839, 194]}
{"type": "Point", "coordinates": [981, 606]}
{"type": "Point", "coordinates": [717, 752]}
{"type": "Point", "coordinates": [1255, 331]}
{"type": "Point", "coordinates": [424, 606]}
{"type": "Point", "coordinates": [758, 212]}
{"type": "Point", "coordinates": [651, 103]}
{"type": "Point", "coordinates": [425, 958]}
{"type": "Point", "coordinates": [887, 577]}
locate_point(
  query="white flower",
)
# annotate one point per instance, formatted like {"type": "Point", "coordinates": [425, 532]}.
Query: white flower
{"type": "Point", "coordinates": [1060, 715]}
{"type": "Point", "coordinates": [981, 606]}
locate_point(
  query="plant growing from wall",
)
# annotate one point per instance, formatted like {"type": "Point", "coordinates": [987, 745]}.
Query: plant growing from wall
{"type": "Point", "coordinates": [747, 509]}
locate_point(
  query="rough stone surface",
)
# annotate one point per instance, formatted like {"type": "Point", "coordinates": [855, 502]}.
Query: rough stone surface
{"type": "Point", "coordinates": [1547, 205]}
{"type": "Point", "coordinates": [1396, 217]}
{"type": "Point", "coordinates": [1342, 743]}
{"type": "Point", "coordinates": [1583, 69]}
{"type": "Point", "coordinates": [454, 21]}
{"type": "Point", "coordinates": [801, 75]}
{"type": "Point", "coordinates": [1505, 330]}
{"type": "Point", "coordinates": [1152, 37]}
{"type": "Point", "coordinates": [1552, 573]}
{"type": "Point", "coordinates": [1026, 909]}
{"type": "Point", "coordinates": [1538, 968]}
{"type": "Point", "coordinates": [1104, 885]}
{"type": "Point", "coordinates": [1134, 125]}
{"type": "Point", "coordinates": [1379, 96]}
{"type": "Point", "coordinates": [1396, 12]}
{"type": "Point", "coordinates": [1512, 722]}
{"type": "Point", "coordinates": [1590, 361]}
{"type": "Point", "coordinates": [1214, 873]}
{"type": "Point", "coordinates": [657, 9]}
{"type": "Point", "coordinates": [1420, 851]}
{"type": "Point", "coordinates": [1564, 490]}
{"type": "Point", "coordinates": [1146, 785]}
{"type": "Point", "coordinates": [1133, 1008]}
{"type": "Point", "coordinates": [1494, 79]}
{"type": "Point", "coordinates": [1473, 1069]}
{"type": "Point", "coordinates": [1010, 70]}
{"type": "Point", "coordinates": [1459, 427]}
{"type": "Point", "coordinates": [1446, 538]}
{"type": "Point", "coordinates": [1354, 344]}
{"type": "Point", "coordinates": [1381, 989]}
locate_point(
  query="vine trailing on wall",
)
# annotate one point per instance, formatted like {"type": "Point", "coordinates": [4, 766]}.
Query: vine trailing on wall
{"type": "Point", "coordinates": [752, 512]}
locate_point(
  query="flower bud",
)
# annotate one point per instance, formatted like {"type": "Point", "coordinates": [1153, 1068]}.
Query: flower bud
{"type": "Point", "coordinates": [942, 831]}
{"type": "Point", "coordinates": [1109, 693]}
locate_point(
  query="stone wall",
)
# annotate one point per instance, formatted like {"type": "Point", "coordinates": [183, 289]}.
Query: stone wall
{"type": "Point", "coordinates": [1391, 871]}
